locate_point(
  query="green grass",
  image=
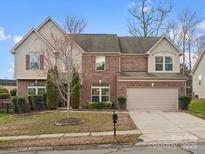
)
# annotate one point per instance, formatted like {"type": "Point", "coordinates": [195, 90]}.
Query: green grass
{"type": "Point", "coordinates": [197, 107]}
{"type": "Point", "coordinates": [4, 116]}
{"type": "Point", "coordinates": [45, 123]}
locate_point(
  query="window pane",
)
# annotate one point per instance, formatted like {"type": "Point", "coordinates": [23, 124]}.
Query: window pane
{"type": "Point", "coordinates": [31, 91]}
{"type": "Point", "coordinates": [100, 63]}
{"type": "Point", "coordinates": [41, 91]}
{"type": "Point", "coordinates": [95, 99]}
{"type": "Point", "coordinates": [159, 67]}
{"type": "Point", "coordinates": [168, 60]}
{"type": "Point", "coordinates": [105, 98]}
{"type": "Point", "coordinates": [159, 59]}
{"type": "Point", "coordinates": [105, 91]}
{"type": "Point", "coordinates": [168, 67]}
{"type": "Point", "coordinates": [34, 60]}
{"type": "Point", "coordinates": [95, 91]}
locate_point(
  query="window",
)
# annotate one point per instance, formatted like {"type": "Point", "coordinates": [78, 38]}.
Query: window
{"type": "Point", "coordinates": [159, 63]}
{"type": "Point", "coordinates": [163, 63]}
{"type": "Point", "coordinates": [36, 88]}
{"type": "Point", "coordinates": [100, 94]}
{"type": "Point", "coordinates": [34, 61]}
{"type": "Point", "coordinates": [168, 64]}
{"type": "Point", "coordinates": [200, 79]}
{"type": "Point", "coordinates": [100, 63]}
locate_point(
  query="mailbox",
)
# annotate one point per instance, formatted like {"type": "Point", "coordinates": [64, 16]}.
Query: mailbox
{"type": "Point", "coordinates": [114, 118]}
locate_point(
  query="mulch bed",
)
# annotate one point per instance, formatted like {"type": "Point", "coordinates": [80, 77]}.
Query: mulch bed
{"type": "Point", "coordinates": [69, 121]}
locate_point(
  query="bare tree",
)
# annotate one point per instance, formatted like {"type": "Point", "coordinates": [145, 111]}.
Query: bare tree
{"type": "Point", "coordinates": [63, 54]}
{"type": "Point", "coordinates": [147, 20]}
{"type": "Point", "coordinates": [183, 33]}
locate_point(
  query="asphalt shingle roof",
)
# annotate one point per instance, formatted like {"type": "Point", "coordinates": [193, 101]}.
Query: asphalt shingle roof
{"type": "Point", "coordinates": [151, 76]}
{"type": "Point", "coordinates": [113, 43]}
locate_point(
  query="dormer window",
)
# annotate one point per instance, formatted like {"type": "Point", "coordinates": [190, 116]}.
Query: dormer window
{"type": "Point", "coordinates": [159, 63]}
{"type": "Point", "coordinates": [163, 63]}
{"type": "Point", "coordinates": [168, 63]}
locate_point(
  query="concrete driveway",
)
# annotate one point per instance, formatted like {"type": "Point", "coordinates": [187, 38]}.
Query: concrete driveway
{"type": "Point", "coordinates": [173, 126]}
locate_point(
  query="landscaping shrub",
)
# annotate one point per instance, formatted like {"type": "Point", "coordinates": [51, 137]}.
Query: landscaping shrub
{"type": "Point", "coordinates": [21, 104]}
{"type": "Point", "coordinates": [75, 95]}
{"type": "Point", "coordinates": [4, 95]}
{"type": "Point", "coordinates": [15, 104]}
{"type": "Point", "coordinates": [13, 92]}
{"type": "Point", "coordinates": [122, 102]}
{"type": "Point", "coordinates": [197, 106]}
{"type": "Point", "coordinates": [3, 90]}
{"type": "Point", "coordinates": [184, 102]}
{"type": "Point", "coordinates": [45, 100]}
{"type": "Point", "coordinates": [52, 90]}
{"type": "Point", "coordinates": [31, 106]}
{"type": "Point", "coordinates": [100, 105]}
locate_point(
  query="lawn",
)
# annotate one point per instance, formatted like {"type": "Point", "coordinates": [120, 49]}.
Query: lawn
{"type": "Point", "coordinates": [197, 107]}
{"type": "Point", "coordinates": [4, 116]}
{"type": "Point", "coordinates": [44, 123]}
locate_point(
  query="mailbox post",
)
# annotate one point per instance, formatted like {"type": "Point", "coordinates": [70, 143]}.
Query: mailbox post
{"type": "Point", "coordinates": [114, 118]}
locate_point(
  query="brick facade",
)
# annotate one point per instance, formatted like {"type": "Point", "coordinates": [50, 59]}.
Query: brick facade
{"type": "Point", "coordinates": [92, 77]}
{"type": "Point", "coordinates": [122, 85]}
{"type": "Point", "coordinates": [22, 87]}
{"type": "Point", "coordinates": [109, 77]}
{"type": "Point", "coordinates": [133, 63]}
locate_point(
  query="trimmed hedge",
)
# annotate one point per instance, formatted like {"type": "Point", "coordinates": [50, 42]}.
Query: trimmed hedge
{"type": "Point", "coordinates": [4, 95]}
{"type": "Point", "coordinates": [13, 92]}
{"type": "Point", "coordinates": [21, 104]}
{"type": "Point", "coordinates": [184, 102]}
{"type": "Point", "coordinates": [122, 102]}
{"type": "Point", "coordinates": [100, 105]}
{"type": "Point", "coordinates": [14, 101]}
{"type": "Point", "coordinates": [3, 90]}
{"type": "Point", "coordinates": [37, 103]}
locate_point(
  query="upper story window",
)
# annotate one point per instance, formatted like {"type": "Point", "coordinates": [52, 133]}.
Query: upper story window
{"type": "Point", "coordinates": [199, 79]}
{"type": "Point", "coordinates": [159, 63]}
{"type": "Point", "coordinates": [163, 63]}
{"type": "Point", "coordinates": [168, 63]}
{"type": "Point", "coordinates": [100, 63]}
{"type": "Point", "coordinates": [34, 61]}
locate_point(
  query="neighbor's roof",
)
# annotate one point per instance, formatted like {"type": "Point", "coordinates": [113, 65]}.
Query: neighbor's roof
{"type": "Point", "coordinates": [7, 82]}
{"type": "Point", "coordinates": [199, 60]}
{"type": "Point", "coordinates": [151, 76]}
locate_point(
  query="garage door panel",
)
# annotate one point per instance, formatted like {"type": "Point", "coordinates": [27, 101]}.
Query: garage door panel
{"type": "Point", "coordinates": [152, 98]}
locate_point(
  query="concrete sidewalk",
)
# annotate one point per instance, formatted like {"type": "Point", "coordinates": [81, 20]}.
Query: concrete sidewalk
{"type": "Point", "coordinates": [25, 137]}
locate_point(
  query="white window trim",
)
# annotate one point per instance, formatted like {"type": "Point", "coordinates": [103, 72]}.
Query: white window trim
{"type": "Point", "coordinates": [163, 63]}
{"type": "Point", "coordinates": [100, 91]}
{"type": "Point", "coordinates": [36, 89]}
{"type": "Point", "coordinates": [38, 61]}
{"type": "Point", "coordinates": [96, 64]}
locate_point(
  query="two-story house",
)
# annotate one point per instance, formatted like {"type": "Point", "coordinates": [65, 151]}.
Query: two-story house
{"type": "Point", "coordinates": [199, 76]}
{"type": "Point", "coordinates": [144, 70]}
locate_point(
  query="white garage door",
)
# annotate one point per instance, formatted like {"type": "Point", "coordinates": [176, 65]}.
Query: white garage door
{"type": "Point", "coordinates": [152, 99]}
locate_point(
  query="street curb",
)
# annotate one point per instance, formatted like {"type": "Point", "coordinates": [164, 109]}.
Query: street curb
{"type": "Point", "coordinates": [104, 146]}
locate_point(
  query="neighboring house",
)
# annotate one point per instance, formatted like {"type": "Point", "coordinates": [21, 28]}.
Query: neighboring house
{"type": "Point", "coordinates": [8, 83]}
{"type": "Point", "coordinates": [145, 70]}
{"type": "Point", "coordinates": [199, 76]}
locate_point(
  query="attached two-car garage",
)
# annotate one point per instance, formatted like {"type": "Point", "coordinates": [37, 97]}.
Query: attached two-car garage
{"type": "Point", "coordinates": [152, 98]}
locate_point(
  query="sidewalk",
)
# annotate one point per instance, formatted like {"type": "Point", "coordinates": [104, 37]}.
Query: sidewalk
{"type": "Point", "coordinates": [27, 137]}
